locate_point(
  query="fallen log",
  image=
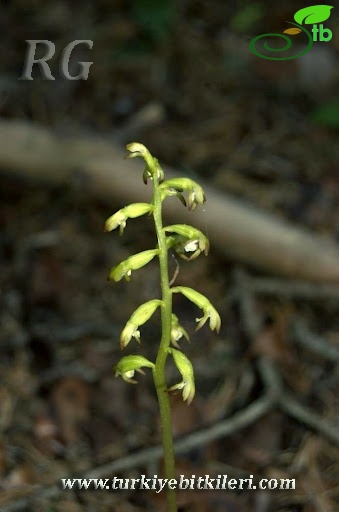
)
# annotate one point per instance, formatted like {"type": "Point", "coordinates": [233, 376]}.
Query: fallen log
{"type": "Point", "coordinates": [236, 230]}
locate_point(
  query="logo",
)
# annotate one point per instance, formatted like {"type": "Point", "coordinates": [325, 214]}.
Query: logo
{"type": "Point", "coordinates": [312, 15]}
{"type": "Point", "coordinates": [30, 60]}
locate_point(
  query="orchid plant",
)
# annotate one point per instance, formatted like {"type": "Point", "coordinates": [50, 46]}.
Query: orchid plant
{"type": "Point", "coordinates": [188, 242]}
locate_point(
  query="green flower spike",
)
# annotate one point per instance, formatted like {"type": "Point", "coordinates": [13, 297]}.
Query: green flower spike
{"type": "Point", "coordinates": [177, 331]}
{"type": "Point", "coordinates": [189, 240]}
{"type": "Point", "coordinates": [195, 192]}
{"type": "Point", "coordinates": [152, 164]}
{"type": "Point", "coordinates": [128, 365]}
{"type": "Point", "coordinates": [203, 303]}
{"type": "Point", "coordinates": [139, 317]}
{"type": "Point", "coordinates": [129, 212]}
{"type": "Point", "coordinates": [185, 367]}
{"type": "Point", "coordinates": [124, 269]}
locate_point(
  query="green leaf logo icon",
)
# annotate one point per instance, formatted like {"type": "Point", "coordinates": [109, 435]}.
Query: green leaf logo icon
{"type": "Point", "coordinates": [313, 14]}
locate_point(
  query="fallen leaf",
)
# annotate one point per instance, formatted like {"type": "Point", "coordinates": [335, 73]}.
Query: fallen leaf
{"type": "Point", "coordinates": [22, 475]}
{"type": "Point", "coordinates": [46, 435]}
{"type": "Point", "coordinates": [71, 401]}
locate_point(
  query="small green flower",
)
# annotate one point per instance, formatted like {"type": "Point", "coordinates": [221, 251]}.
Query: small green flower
{"type": "Point", "coordinates": [177, 331]}
{"type": "Point", "coordinates": [139, 317]}
{"type": "Point", "coordinates": [131, 211]}
{"type": "Point", "coordinates": [152, 164]}
{"type": "Point", "coordinates": [195, 192]}
{"type": "Point", "coordinates": [189, 240]}
{"type": "Point", "coordinates": [129, 331]}
{"type": "Point", "coordinates": [128, 365]}
{"type": "Point", "coordinates": [185, 367]}
{"type": "Point", "coordinates": [196, 196]}
{"type": "Point", "coordinates": [118, 219]}
{"type": "Point", "coordinates": [124, 269]}
{"type": "Point", "coordinates": [210, 313]}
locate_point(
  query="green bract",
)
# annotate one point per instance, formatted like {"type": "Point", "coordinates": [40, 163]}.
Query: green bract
{"type": "Point", "coordinates": [139, 317]}
{"type": "Point", "coordinates": [124, 269]}
{"type": "Point", "coordinates": [203, 303]}
{"type": "Point", "coordinates": [131, 211]}
{"type": "Point", "coordinates": [185, 367]}
{"type": "Point", "coordinates": [128, 365]}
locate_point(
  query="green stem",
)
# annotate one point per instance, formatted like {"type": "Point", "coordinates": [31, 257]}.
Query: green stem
{"type": "Point", "coordinates": [159, 370]}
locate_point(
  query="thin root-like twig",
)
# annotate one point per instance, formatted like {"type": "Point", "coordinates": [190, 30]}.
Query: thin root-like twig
{"type": "Point", "coordinates": [314, 343]}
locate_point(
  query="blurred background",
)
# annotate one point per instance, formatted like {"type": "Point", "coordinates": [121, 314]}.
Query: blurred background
{"type": "Point", "coordinates": [180, 78]}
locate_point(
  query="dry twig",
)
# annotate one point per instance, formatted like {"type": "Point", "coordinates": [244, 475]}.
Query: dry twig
{"type": "Point", "coordinates": [293, 289]}
{"type": "Point", "coordinates": [314, 343]}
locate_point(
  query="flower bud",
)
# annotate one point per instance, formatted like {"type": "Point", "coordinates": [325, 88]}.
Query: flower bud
{"type": "Point", "coordinates": [203, 303]}
{"type": "Point", "coordinates": [158, 169]}
{"type": "Point", "coordinates": [139, 317]}
{"type": "Point", "coordinates": [185, 367]}
{"type": "Point", "coordinates": [137, 149]}
{"type": "Point", "coordinates": [128, 365]}
{"type": "Point", "coordinates": [124, 269]}
{"type": "Point", "coordinates": [153, 166]}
